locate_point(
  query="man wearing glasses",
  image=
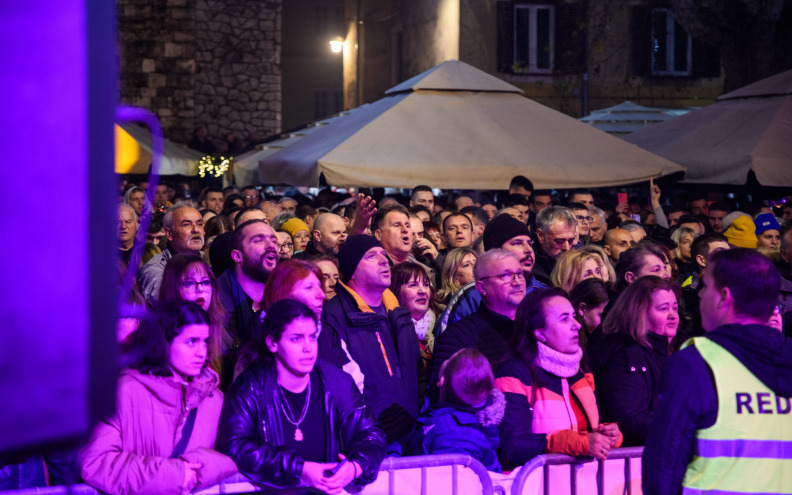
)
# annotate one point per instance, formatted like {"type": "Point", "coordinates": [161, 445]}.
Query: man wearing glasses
{"type": "Point", "coordinates": [584, 220]}
{"type": "Point", "coordinates": [501, 283]}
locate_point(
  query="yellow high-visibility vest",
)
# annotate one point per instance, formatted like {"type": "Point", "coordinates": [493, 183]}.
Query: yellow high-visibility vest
{"type": "Point", "coordinates": [749, 448]}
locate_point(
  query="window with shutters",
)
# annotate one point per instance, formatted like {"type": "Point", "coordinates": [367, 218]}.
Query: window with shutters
{"type": "Point", "coordinates": [671, 49]}
{"type": "Point", "coordinates": [534, 38]}
{"type": "Point", "coordinates": [541, 37]}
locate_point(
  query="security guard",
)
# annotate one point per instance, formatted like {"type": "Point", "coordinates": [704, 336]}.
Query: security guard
{"type": "Point", "coordinates": [724, 422]}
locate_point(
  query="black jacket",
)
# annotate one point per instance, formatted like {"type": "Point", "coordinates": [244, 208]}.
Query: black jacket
{"type": "Point", "coordinates": [627, 375]}
{"type": "Point", "coordinates": [689, 401]}
{"type": "Point", "coordinates": [390, 385]}
{"type": "Point", "coordinates": [250, 427]}
{"type": "Point", "coordinates": [485, 330]}
{"type": "Point", "coordinates": [543, 266]}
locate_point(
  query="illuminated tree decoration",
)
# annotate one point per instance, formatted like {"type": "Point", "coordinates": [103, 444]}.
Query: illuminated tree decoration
{"type": "Point", "coordinates": [215, 166]}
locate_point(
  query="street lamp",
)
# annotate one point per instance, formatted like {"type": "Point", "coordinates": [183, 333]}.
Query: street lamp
{"type": "Point", "coordinates": [337, 44]}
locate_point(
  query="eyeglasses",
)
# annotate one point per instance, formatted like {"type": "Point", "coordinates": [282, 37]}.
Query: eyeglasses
{"type": "Point", "coordinates": [584, 219]}
{"type": "Point", "coordinates": [506, 277]}
{"type": "Point", "coordinates": [286, 245]}
{"type": "Point", "coordinates": [250, 196]}
{"type": "Point", "coordinates": [193, 285]}
{"type": "Point", "coordinates": [781, 308]}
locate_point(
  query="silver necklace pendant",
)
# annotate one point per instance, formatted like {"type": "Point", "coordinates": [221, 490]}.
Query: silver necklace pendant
{"type": "Point", "coordinates": [298, 435]}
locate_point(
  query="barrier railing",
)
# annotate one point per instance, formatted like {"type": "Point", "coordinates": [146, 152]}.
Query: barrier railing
{"type": "Point", "coordinates": [455, 461]}
{"type": "Point", "coordinates": [389, 481]}
{"type": "Point", "coordinates": [575, 463]}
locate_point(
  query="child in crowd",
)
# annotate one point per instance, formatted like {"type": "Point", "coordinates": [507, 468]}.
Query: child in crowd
{"type": "Point", "coordinates": [466, 419]}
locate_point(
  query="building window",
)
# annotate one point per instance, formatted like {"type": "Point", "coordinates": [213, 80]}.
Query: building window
{"type": "Point", "coordinates": [671, 45]}
{"type": "Point", "coordinates": [534, 35]}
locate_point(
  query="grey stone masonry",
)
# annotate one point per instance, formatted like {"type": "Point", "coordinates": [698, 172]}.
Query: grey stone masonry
{"type": "Point", "coordinates": [203, 62]}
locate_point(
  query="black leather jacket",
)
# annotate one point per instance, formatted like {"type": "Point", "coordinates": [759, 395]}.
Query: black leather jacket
{"type": "Point", "coordinates": [250, 427]}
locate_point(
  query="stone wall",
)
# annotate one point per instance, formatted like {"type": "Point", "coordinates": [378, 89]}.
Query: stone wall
{"type": "Point", "coordinates": [203, 62]}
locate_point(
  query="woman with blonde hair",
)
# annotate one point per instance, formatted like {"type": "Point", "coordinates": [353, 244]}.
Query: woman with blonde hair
{"type": "Point", "coordinates": [457, 271]}
{"type": "Point", "coordinates": [573, 267]}
{"type": "Point", "coordinates": [627, 361]}
{"type": "Point", "coordinates": [606, 268]}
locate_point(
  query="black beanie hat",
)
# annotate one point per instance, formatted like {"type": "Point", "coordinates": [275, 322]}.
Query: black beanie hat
{"type": "Point", "coordinates": [502, 228]}
{"type": "Point", "coordinates": [352, 251]}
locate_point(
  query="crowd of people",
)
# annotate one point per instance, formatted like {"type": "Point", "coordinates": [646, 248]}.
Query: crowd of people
{"type": "Point", "coordinates": [299, 340]}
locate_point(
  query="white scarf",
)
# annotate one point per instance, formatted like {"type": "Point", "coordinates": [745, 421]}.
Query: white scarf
{"type": "Point", "coordinates": [558, 363]}
{"type": "Point", "coordinates": [422, 325]}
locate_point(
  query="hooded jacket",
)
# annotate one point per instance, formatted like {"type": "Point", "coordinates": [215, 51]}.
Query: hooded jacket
{"type": "Point", "coordinates": [688, 398]}
{"type": "Point", "coordinates": [130, 452]}
{"type": "Point", "coordinates": [251, 429]}
{"type": "Point", "coordinates": [384, 347]}
{"type": "Point", "coordinates": [453, 429]}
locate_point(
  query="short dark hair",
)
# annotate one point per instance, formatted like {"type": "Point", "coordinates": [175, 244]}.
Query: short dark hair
{"type": "Point", "coordinates": [379, 217]}
{"type": "Point", "coordinates": [238, 234]}
{"type": "Point", "coordinates": [306, 210]}
{"type": "Point", "coordinates": [700, 244]}
{"type": "Point", "coordinates": [245, 210]}
{"type": "Point", "coordinates": [149, 350]}
{"type": "Point", "coordinates": [417, 208]}
{"type": "Point", "coordinates": [421, 188]}
{"type": "Point", "coordinates": [541, 192]}
{"type": "Point", "coordinates": [214, 189]}
{"type": "Point", "coordinates": [522, 182]}
{"type": "Point", "coordinates": [720, 206]}
{"type": "Point", "coordinates": [515, 199]}
{"type": "Point", "coordinates": [457, 214]}
{"type": "Point", "coordinates": [574, 205]}
{"type": "Point", "coordinates": [476, 212]}
{"type": "Point", "coordinates": [580, 190]}
{"type": "Point", "coordinates": [752, 279]}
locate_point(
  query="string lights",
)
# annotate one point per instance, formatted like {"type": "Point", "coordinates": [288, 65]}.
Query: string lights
{"type": "Point", "coordinates": [215, 166]}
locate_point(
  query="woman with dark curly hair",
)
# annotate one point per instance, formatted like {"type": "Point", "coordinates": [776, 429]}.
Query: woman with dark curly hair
{"type": "Point", "coordinates": [160, 441]}
{"type": "Point", "coordinates": [289, 419]}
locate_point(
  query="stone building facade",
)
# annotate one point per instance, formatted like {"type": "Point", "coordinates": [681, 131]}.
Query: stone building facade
{"type": "Point", "coordinates": [203, 62]}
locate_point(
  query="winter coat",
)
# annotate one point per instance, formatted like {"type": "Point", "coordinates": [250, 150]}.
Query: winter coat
{"type": "Point", "coordinates": [452, 429]}
{"type": "Point", "coordinates": [628, 379]}
{"type": "Point", "coordinates": [386, 353]}
{"type": "Point", "coordinates": [130, 452]}
{"type": "Point", "coordinates": [541, 414]}
{"type": "Point", "coordinates": [251, 429]}
{"type": "Point", "coordinates": [689, 402]}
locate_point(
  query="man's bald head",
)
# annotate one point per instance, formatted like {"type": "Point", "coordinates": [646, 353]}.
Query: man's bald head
{"type": "Point", "coordinates": [329, 232]}
{"type": "Point", "coordinates": [616, 241]}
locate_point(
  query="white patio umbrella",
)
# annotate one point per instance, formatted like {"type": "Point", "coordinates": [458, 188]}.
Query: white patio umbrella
{"type": "Point", "coordinates": [747, 129]}
{"type": "Point", "coordinates": [455, 126]}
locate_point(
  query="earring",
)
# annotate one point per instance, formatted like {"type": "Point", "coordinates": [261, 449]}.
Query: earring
{"type": "Point", "coordinates": [583, 315]}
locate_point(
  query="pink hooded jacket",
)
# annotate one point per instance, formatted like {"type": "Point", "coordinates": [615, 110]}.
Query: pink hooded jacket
{"type": "Point", "coordinates": [129, 453]}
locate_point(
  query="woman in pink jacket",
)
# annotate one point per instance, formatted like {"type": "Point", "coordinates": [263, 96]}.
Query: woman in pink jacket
{"type": "Point", "coordinates": [160, 440]}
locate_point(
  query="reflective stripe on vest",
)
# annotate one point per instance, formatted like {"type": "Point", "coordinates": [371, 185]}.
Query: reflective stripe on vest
{"type": "Point", "coordinates": [749, 448]}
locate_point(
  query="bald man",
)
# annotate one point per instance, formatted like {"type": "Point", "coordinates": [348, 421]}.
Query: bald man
{"type": "Point", "coordinates": [616, 241]}
{"type": "Point", "coordinates": [329, 232]}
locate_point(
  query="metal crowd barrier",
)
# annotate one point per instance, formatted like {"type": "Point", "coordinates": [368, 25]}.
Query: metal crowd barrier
{"type": "Point", "coordinates": [575, 463]}
{"type": "Point", "coordinates": [390, 467]}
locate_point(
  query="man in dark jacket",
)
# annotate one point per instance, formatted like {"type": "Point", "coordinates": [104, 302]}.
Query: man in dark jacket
{"type": "Point", "coordinates": [501, 283]}
{"type": "Point", "coordinates": [739, 374]}
{"type": "Point", "coordinates": [366, 333]}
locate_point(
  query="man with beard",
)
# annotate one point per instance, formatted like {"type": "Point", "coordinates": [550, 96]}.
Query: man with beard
{"type": "Point", "coordinates": [184, 230]}
{"type": "Point", "coordinates": [500, 281]}
{"type": "Point", "coordinates": [367, 334]}
{"type": "Point", "coordinates": [503, 232]}
{"type": "Point", "coordinates": [254, 250]}
{"type": "Point", "coordinates": [329, 232]}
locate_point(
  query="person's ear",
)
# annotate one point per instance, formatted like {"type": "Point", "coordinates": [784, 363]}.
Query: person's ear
{"type": "Point", "coordinates": [441, 382]}
{"type": "Point", "coordinates": [271, 344]}
{"type": "Point", "coordinates": [236, 256]}
{"type": "Point", "coordinates": [169, 233]}
{"type": "Point", "coordinates": [700, 261]}
{"type": "Point", "coordinates": [630, 277]}
{"type": "Point", "coordinates": [581, 308]}
{"type": "Point", "coordinates": [480, 288]}
{"type": "Point", "coordinates": [540, 236]}
{"type": "Point", "coordinates": [539, 336]}
{"type": "Point", "coordinates": [378, 234]}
